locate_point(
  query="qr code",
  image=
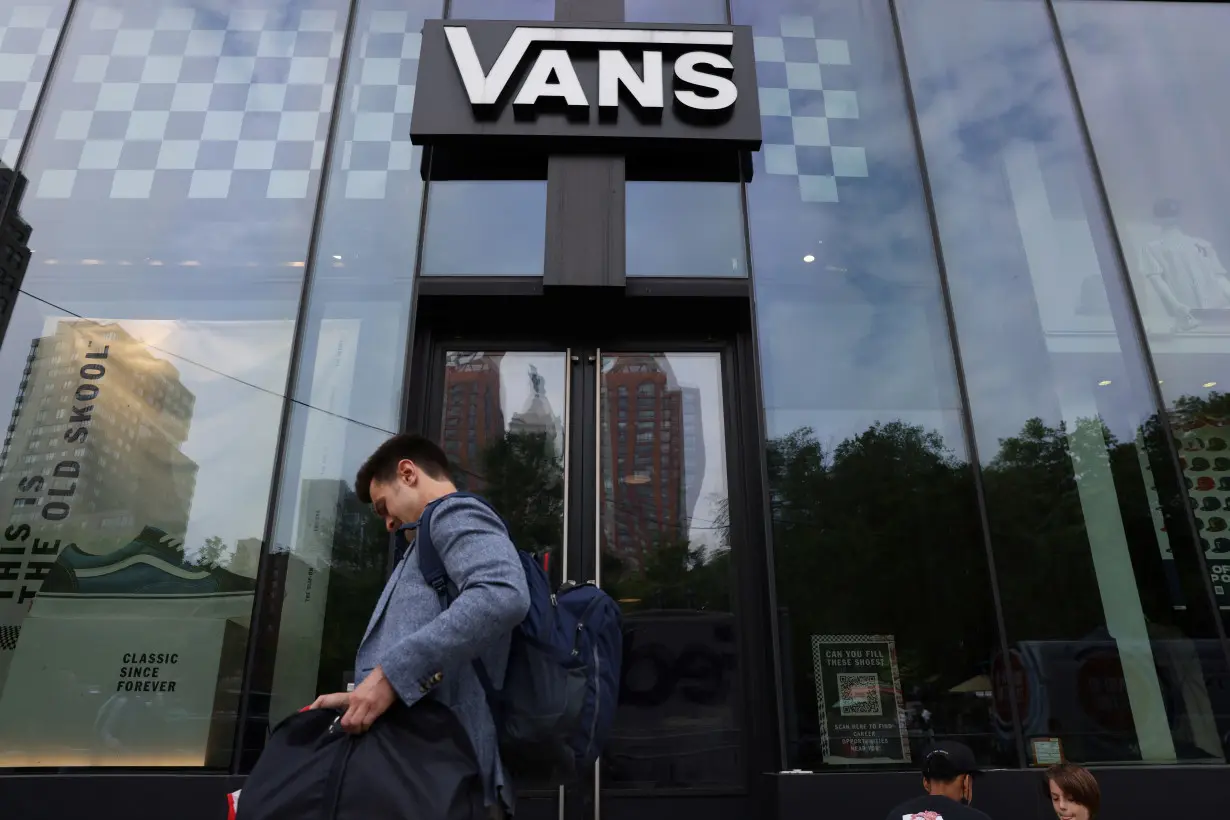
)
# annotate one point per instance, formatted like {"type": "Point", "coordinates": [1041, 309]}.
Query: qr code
{"type": "Point", "coordinates": [860, 694]}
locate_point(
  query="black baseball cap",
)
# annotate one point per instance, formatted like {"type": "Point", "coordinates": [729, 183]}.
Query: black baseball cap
{"type": "Point", "coordinates": [947, 759]}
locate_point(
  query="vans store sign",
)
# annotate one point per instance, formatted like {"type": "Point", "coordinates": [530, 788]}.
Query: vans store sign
{"type": "Point", "coordinates": [550, 88]}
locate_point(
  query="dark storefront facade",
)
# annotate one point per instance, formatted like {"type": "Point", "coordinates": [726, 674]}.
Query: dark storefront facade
{"type": "Point", "coordinates": [888, 400]}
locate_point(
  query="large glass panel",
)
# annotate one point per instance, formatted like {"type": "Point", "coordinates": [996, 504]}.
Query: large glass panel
{"type": "Point", "coordinates": [1147, 75]}
{"type": "Point", "coordinates": [675, 11]}
{"type": "Point", "coordinates": [885, 605]}
{"type": "Point", "coordinates": [1111, 646]}
{"type": "Point", "coordinates": [488, 228]}
{"type": "Point", "coordinates": [28, 33]}
{"type": "Point", "coordinates": [508, 217]}
{"type": "Point", "coordinates": [664, 525]}
{"type": "Point", "coordinates": [501, 9]}
{"type": "Point", "coordinates": [328, 550]}
{"type": "Point", "coordinates": [682, 228]}
{"type": "Point", "coordinates": [172, 182]}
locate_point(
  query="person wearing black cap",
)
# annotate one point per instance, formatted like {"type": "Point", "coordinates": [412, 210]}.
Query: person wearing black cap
{"type": "Point", "coordinates": [948, 770]}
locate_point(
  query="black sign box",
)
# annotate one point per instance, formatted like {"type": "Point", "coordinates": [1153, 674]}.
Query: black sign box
{"type": "Point", "coordinates": [495, 98]}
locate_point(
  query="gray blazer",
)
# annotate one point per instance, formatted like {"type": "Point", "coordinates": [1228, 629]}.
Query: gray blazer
{"type": "Point", "coordinates": [425, 651]}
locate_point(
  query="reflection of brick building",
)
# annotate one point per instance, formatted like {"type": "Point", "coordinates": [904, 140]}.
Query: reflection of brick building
{"type": "Point", "coordinates": [473, 415]}
{"type": "Point", "coordinates": [119, 415]}
{"type": "Point", "coordinates": [646, 459]}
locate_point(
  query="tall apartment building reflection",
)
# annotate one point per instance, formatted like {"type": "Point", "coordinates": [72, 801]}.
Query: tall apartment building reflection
{"type": "Point", "coordinates": [93, 397]}
{"type": "Point", "coordinates": [473, 414]}
{"type": "Point", "coordinates": [653, 456]}
{"type": "Point", "coordinates": [14, 243]}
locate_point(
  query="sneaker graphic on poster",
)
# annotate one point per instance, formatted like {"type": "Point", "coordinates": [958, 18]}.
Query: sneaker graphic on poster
{"type": "Point", "coordinates": [150, 564]}
{"type": "Point", "coordinates": [146, 578]}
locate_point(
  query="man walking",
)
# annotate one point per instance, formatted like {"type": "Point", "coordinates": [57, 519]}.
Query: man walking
{"type": "Point", "coordinates": [948, 779]}
{"type": "Point", "coordinates": [412, 648]}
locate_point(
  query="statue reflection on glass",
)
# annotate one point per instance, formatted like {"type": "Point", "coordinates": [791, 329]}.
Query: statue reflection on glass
{"type": "Point", "coordinates": [1184, 270]}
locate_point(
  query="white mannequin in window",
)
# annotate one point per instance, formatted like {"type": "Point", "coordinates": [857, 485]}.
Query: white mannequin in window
{"type": "Point", "coordinates": [1184, 271]}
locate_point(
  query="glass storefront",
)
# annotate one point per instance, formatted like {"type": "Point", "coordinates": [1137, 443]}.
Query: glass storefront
{"type": "Point", "coordinates": [986, 281]}
{"type": "Point", "coordinates": [1119, 668]}
{"type": "Point", "coordinates": [868, 465]}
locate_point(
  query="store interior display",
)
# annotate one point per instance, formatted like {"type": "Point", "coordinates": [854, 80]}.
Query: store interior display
{"type": "Point", "coordinates": [1185, 271]}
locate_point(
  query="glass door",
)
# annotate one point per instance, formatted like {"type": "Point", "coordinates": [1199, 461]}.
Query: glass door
{"type": "Point", "coordinates": [614, 464]}
{"type": "Point", "coordinates": [664, 549]}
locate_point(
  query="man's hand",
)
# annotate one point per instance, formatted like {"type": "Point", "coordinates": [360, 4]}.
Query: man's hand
{"type": "Point", "coordinates": [338, 700]}
{"type": "Point", "coordinates": [370, 699]}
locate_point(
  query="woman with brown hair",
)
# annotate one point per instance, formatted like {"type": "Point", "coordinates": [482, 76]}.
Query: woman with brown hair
{"type": "Point", "coordinates": [1074, 792]}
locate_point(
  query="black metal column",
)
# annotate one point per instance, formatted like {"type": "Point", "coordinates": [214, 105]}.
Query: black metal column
{"type": "Point", "coordinates": [585, 194]}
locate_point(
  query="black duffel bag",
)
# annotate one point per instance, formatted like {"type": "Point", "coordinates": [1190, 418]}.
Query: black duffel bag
{"type": "Point", "coordinates": [412, 763]}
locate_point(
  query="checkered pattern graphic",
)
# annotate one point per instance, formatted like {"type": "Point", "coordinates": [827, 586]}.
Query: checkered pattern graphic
{"type": "Point", "coordinates": [8, 637]}
{"type": "Point", "coordinates": [170, 103]}
{"type": "Point", "coordinates": [376, 153]}
{"type": "Point", "coordinates": [797, 104]}
{"type": "Point", "coordinates": [27, 37]}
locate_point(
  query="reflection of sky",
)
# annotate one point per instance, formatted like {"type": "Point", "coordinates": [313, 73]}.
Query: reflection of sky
{"type": "Point", "coordinates": [1151, 81]}
{"type": "Point", "coordinates": [227, 502]}
{"type": "Point", "coordinates": [28, 33]}
{"type": "Point", "coordinates": [996, 118]}
{"type": "Point", "coordinates": [858, 334]}
{"type": "Point", "coordinates": [675, 11]}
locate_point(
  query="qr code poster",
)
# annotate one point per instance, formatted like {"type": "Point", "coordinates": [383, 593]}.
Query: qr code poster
{"type": "Point", "coordinates": [1204, 445]}
{"type": "Point", "coordinates": [858, 695]}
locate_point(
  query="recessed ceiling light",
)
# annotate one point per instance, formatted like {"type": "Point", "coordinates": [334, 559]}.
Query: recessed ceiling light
{"type": "Point", "coordinates": [337, 256]}
{"type": "Point", "coordinates": [1104, 382]}
{"type": "Point", "coordinates": [809, 258]}
{"type": "Point", "coordinates": [1210, 384]}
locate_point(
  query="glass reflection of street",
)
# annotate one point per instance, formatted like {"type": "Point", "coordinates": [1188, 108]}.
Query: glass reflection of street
{"type": "Point", "coordinates": [665, 556]}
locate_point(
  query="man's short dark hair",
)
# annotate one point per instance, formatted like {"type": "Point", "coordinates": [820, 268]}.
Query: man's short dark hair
{"type": "Point", "coordinates": [382, 464]}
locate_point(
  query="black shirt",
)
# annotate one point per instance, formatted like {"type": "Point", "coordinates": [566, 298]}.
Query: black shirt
{"type": "Point", "coordinates": [944, 808]}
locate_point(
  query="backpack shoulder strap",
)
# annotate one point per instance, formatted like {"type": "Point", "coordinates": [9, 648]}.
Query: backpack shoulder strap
{"type": "Point", "coordinates": [434, 572]}
{"type": "Point", "coordinates": [430, 562]}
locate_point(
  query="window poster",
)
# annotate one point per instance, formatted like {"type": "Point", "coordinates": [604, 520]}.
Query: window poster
{"type": "Point", "coordinates": [134, 480]}
{"type": "Point", "coordinates": [858, 693]}
{"type": "Point", "coordinates": [1204, 442]}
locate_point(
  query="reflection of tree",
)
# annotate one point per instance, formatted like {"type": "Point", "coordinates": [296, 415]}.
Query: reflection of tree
{"type": "Point", "coordinates": [881, 535]}
{"type": "Point", "coordinates": [356, 578]}
{"type": "Point", "coordinates": [1038, 527]}
{"type": "Point", "coordinates": [523, 477]}
{"type": "Point", "coordinates": [210, 555]}
{"type": "Point", "coordinates": [675, 575]}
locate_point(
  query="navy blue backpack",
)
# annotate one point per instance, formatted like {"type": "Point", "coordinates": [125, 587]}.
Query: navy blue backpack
{"type": "Point", "coordinates": [558, 698]}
